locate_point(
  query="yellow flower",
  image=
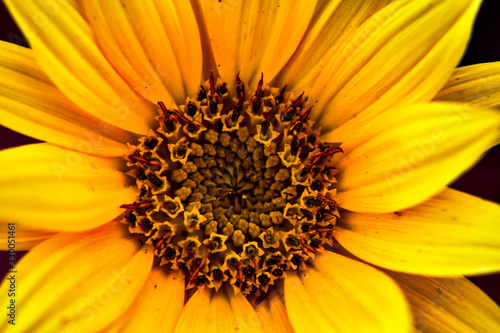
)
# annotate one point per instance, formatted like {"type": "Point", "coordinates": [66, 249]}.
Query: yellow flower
{"type": "Point", "coordinates": [293, 152]}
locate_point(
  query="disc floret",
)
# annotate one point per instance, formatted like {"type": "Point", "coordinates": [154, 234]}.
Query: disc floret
{"type": "Point", "coordinates": [234, 188]}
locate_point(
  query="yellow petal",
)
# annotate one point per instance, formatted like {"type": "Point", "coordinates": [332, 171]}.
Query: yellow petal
{"type": "Point", "coordinates": [411, 153]}
{"type": "Point", "coordinates": [64, 47]}
{"type": "Point", "coordinates": [448, 305]}
{"type": "Point", "coordinates": [154, 45]}
{"type": "Point", "coordinates": [210, 311]}
{"type": "Point", "coordinates": [402, 55]}
{"type": "Point", "coordinates": [272, 312]}
{"type": "Point", "coordinates": [476, 84]}
{"type": "Point", "coordinates": [15, 237]}
{"type": "Point", "coordinates": [332, 26]}
{"type": "Point", "coordinates": [32, 105]}
{"type": "Point", "coordinates": [48, 187]}
{"type": "Point", "coordinates": [78, 281]}
{"type": "Point", "coordinates": [254, 36]}
{"type": "Point", "coordinates": [344, 295]}
{"type": "Point", "coordinates": [450, 234]}
{"type": "Point", "coordinates": [158, 305]}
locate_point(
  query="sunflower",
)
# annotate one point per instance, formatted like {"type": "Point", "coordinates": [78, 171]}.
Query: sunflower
{"type": "Point", "coordinates": [230, 165]}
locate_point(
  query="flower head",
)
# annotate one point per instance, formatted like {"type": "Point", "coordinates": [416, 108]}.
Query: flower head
{"type": "Point", "coordinates": [248, 165]}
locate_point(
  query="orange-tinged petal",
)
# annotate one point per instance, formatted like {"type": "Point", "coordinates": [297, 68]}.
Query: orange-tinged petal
{"type": "Point", "coordinates": [18, 238]}
{"type": "Point", "coordinates": [344, 295]}
{"type": "Point", "coordinates": [332, 26]}
{"type": "Point", "coordinates": [78, 281]}
{"type": "Point", "coordinates": [48, 187]}
{"type": "Point", "coordinates": [210, 311]}
{"type": "Point", "coordinates": [411, 153]}
{"type": "Point", "coordinates": [64, 47]}
{"type": "Point", "coordinates": [450, 234]}
{"type": "Point", "coordinates": [154, 45]}
{"type": "Point", "coordinates": [255, 36]}
{"type": "Point", "coordinates": [116, 37]}
{"type": "Point", "coordinates": [402, 55]}
{"type": "Point", "coordinates": [448, 305]}
{"type": "Point", "coordinates": [158, 305]}
{"type": "Point", "coordinates": [272, 312]}
{"type": "Point", "coordinates": [32, 105]}
{"type": "Point", "coordinates": [477, 84]}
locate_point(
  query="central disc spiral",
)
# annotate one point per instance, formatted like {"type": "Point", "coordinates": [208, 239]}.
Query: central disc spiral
{"type": "Point", "coordinates": [233, 189]}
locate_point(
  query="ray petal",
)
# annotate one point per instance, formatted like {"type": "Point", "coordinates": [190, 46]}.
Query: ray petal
{"type": "Point", "coordinates": [154, 45]}
{"type": "Point", "coordinates": [344, 295]}
{"type": "Point", "coordinates": [448, 305]}
{"type": "Point", "coordinates": [411, 153]}
{"type": "Point", "coordinates": [211, 311]}
{"type": "Point", "coordinates": [47, 187]}
{"type": "Point", "coordinates": [402, 55]}
{"type": "Point", "coordinates": [476, 84]}
{"type": "Point", "coordinates": [65, 49]}
{"type": "Point", "coordinates": [78, 281]}
{"type": "Point", "coordinates": [450, 234]}
{"type": "Point", "coordinates": [157, 307]}
{"type": "Point", "coordinates": [30, 104]}
{"type": "Point", "coordinates": [255, 36]}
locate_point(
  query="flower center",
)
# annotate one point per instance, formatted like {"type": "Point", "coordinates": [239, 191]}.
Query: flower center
{"type": "Point", "coordinates": [234, 189]}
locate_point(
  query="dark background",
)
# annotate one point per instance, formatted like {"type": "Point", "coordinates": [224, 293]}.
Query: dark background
{"type": "Point", "coordinates": [483, 180]}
